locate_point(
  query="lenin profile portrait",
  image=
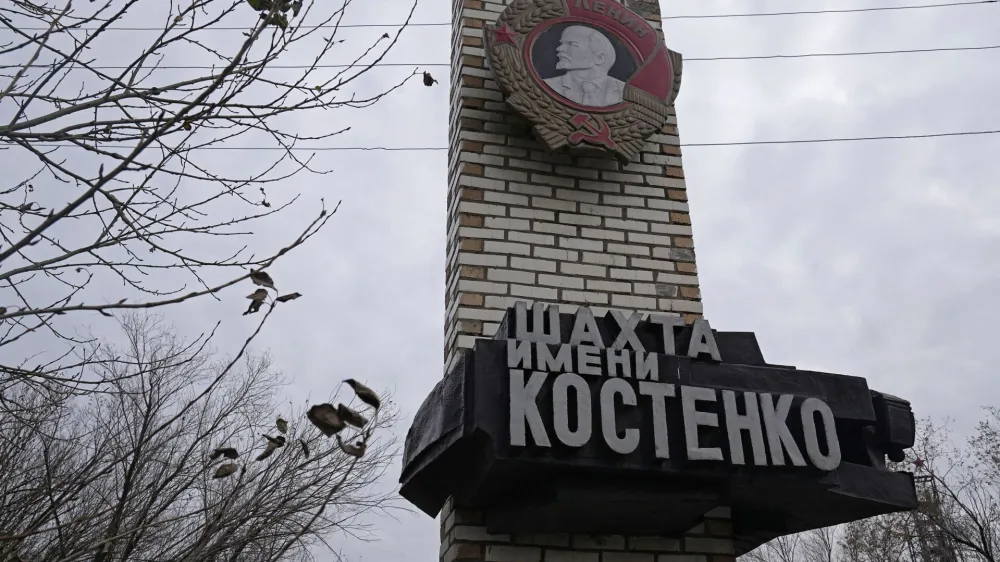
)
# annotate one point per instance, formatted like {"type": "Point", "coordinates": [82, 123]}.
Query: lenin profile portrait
{"type": "Point", "coordinates": [586, 62]}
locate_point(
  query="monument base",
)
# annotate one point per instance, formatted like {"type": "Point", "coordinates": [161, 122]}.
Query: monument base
{"type": "Point", "coordinates": [465, 538]}
{"type": "Point", "coordinates": [503, 433]}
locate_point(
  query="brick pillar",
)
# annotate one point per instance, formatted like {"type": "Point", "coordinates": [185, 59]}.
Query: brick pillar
{"type": "Point", "coordinates": [465, 539]}
{"type": "Point", "coordinates": [526, 224]}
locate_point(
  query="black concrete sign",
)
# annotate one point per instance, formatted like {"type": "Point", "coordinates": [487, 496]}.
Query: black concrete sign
{"type": "Point", "coordinates": [561, 420]}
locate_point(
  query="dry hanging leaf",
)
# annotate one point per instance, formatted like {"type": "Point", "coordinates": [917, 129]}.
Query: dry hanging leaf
{"type": "Point", "coordinates": [288, 297]}
{"type": "Point", "coordinates": [260, 277]}
{"type": "Point", "coordinates": [254, 307]}
{"type": "Point", "coordinates": [350, 416]}
{"type": "Point", "coordinates": [428, 79]}
{"type": "Point", "coordinates": [279, 440]}
{"type": "Point", "coordinates": [273, 444]}
{"type": "Point", "coordinates": [357, 450]}
{"type": "Point", "coordinates": [226, 470]}
{"type": "Point", "coordinates": [282, 425]}
{"type": "Point", "coordinates": [366, 394]}
{"type": "Point", "coordinates": [228, 452]}
{"type": "Point", "coordinates": [326, 419]}
{"type": "Point", "coordinates": [258, 295]}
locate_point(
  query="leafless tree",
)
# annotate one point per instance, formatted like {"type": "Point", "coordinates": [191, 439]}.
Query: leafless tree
{"type": "Point", "coordinates": [820, 545]}
{"type": "Point", "coordinates": [781, 549]}
{"type": "Point", "coordinates": [960, 492]}
{"type": "Point", "coordinates": [886, 538]}
{"type": "Point", "coordinates": [958, 518]}
{"type": "Point", "coordinates": [117, 192]}
{"type": "Point", "coordinates": [127, 475]}
{"type": "Point", "coordinates": [878, 539]}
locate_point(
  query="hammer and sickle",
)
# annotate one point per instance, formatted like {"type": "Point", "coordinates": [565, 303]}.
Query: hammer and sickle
{"type": "Point", "coordinates": [591, 129]}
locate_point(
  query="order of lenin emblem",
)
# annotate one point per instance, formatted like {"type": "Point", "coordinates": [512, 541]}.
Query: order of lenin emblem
{"type": "Point", "coordinates": [584, 72]}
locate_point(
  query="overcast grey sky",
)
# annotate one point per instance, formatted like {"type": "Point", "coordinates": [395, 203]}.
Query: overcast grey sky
{"type": "Point", "coordinates": [877, 259]}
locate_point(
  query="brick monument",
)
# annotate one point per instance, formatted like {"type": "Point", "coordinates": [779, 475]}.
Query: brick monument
{"type": "Point", "coordinates": [527, 224]}
{"type": "Point", "coordinates": [568, 189]}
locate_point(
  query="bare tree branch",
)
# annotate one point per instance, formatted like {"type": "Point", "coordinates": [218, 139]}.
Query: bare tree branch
{"type": "Point", "coordinates": [113, 185]}
{"type": "Point", "coordinates": [129, 476]}
{"type": "Point", "coordinates": [111, 209]}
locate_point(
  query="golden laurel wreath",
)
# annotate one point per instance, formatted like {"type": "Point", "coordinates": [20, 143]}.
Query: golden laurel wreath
{"type": "Point", "coordinates": [552, 119]}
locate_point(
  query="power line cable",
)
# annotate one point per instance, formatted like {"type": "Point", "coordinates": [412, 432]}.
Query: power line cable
{"type": "Point", "coordinates": [845, 11]}
{"type": "Point", "coordinates": [437, 148]}
{"type": "Point", "coordinates": [847, 54]}
{"type": "Point", "coordinates": [681, 17]}
{"type": "Point", "coordinates": [846, 139]}
{"type": "Point", "coordinates": [686, 60]}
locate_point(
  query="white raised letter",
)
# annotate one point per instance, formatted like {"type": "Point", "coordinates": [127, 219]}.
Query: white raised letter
{"type": "Point", "coordinates": [703, 340]}
{"type": "Point", "coordinates": [647, 366]}
{"type": "Point", "coordinates": [778, 436]}
{"type": "Point", "coordinates": [537, 333]}
{"type": "Point", "coordinates": [668, 323]}
{"type": "Point", "coordinates": [659, 393]}
{"type": "Point", "coordinates": [561, 363]}
{"type": "Point", "coordinates": [524, 408]}
{"type": "Point", "coordinates": [831, 460]}
{"type": "Point", "coordinates": [518, 354]}
{"type": "Point", "coordinates": [749, 422]}
{"type": "Point", "coordinates": [560, 406]}
{"type": "Point", "coordinates": [616, 359]}
{"type": "Point", "coordinates": [693, 419]}
{"type": "Point", "coordinates": [627, 336]}
{"type": "Point", "coordinates": [588, 360]}
{"type": "Point", "coordinates": [609, 426]}
{"type": "Point", "coordinates": [585, 329]}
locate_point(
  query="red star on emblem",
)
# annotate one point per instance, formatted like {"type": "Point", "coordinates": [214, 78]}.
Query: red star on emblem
{"type": "Point", "coordinates": [504, 34]}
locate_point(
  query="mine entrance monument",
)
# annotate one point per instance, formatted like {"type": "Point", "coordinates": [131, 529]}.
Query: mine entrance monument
{"type": "Point", "coordinates": [588, 411]}
{"type": "Point", "coordinates": [616, 425]}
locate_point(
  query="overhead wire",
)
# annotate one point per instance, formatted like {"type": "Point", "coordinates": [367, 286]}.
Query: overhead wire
{"type": "Point", "coordinates": [431, 64]}
{"type": "Point", "coordinates": [438, 148]}
{"type": "Point", "coordinates": [843, 11]}
{"type": "Point", "coordinates": [678, 17]}
{"type": "Point", "coordinates": [686, 59]}
{"type": "Point", "coordinates": [691, 59]}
